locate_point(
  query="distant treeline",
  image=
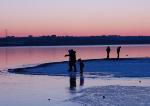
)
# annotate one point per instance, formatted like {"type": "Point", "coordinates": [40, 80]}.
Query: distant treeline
{"type": "Point", "coordinates": [71, 40]}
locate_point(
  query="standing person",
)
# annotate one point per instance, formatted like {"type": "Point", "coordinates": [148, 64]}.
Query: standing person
{"type": "Point", "coordinates": [72, 63]}
{"type": "Point", "coordinates": [108, 51]}
{"type": "Point", "coordinates": [118, 52]}
{"type": "Point", "coordinates": [81, 72]}
{"type": "Point", "coordinates": [73, 59]}
{"type": "Point", "coordinates": [81, 66]}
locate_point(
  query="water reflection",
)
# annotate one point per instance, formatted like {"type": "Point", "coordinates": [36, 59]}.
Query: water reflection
{"type": "Point", "coordinates": [11, 57]}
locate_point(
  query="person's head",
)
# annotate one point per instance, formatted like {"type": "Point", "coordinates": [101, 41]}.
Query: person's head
{"type": "Point", "coordinates": [69, 50]}
{"type": "Point", "coordinates": [73, 51]}
{"type": "Point", "coordinates": [79, 59]}
{"type": "Point", "coordinates": [108, 46]}
{"type": "Point", "coordinates": [119, 48]}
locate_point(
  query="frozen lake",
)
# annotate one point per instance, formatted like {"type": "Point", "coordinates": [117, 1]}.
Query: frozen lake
{"type": "Point", "coordinates": [36, 90]}
{"type": "Point", "coordinates": [33, 90]}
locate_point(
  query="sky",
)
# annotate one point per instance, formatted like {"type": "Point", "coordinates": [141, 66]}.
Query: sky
{"type": "Point", "coordinates": [75, 17]}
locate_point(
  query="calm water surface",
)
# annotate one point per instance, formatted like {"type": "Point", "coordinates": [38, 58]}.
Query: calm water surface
{"type": "Point", "coordinates": [12, 57]}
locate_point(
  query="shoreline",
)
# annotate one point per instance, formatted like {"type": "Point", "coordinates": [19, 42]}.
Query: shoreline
{"type": "Point", "coordinates": [142, 44]}
{"type": "Point", "coordinates": [101, 67]}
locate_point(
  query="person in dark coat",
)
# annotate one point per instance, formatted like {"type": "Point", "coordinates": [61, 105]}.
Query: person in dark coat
{"type": "Point", "coordinates": [72, 60]}
{"type": "Point", "coordinates": [118, 52]}
{"type": "Point", "coordinates": [81, 66]}
{"type": "Point", "coordinates": [108, 51]}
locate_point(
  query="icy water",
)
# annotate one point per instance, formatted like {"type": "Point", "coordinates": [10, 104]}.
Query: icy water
{"type": "Point", "coordinates": [36, 90]}
{"type": "Point", "coordinates": [21, 90]}
{"type": "Point", "coordinates": [12, 57]}
{"type": "Point", "coordinates": [33, 90]}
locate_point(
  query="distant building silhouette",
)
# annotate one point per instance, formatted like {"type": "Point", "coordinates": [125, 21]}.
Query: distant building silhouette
{"type": "Point", "coordinates": [30, 36]}
{"type": "Point", "coordinates": [72, 40]}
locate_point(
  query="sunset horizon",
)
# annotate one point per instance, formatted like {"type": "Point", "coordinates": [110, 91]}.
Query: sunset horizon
{"type": "Point", "coordinates": [76, 18]}
{"type": "Point", "coordinates": [75, 52]}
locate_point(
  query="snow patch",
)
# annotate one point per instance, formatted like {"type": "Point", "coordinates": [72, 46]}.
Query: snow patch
{"type": "Point", "coordinates": [114, 96]}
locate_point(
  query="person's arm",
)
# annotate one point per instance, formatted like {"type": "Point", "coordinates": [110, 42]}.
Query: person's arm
{"type": "Point", "coordinates": [66, 55]}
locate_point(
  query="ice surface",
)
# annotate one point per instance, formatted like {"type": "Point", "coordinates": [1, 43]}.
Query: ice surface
{"type": "Point", "coordinates": [131, 67]}
{"type": "Point", "coordinates": [120, 91]}
{"type": "Point", "coordinates": [114, 96]}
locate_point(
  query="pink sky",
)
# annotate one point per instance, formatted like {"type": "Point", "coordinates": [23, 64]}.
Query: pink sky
{"type": "Point", "coordinates": [75, 17]}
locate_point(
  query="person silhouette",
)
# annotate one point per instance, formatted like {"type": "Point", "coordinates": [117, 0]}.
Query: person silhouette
{"type": "Point", "coordinates": [118, 52]}
{"type": "Point", "coordinates": [108, 51]}
{"type": "Point", "coordinates": [72, 64]}
{"type": "Point", "coordinates": [72, 60]}
{"type": "Point", "coordinates": [81, 64]}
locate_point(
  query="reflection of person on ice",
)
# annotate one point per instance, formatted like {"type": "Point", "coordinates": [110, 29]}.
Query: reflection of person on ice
{"type": "Point", "coordinates": [81, 72]}
{"type": "Point", "coordinates": [72, 80]}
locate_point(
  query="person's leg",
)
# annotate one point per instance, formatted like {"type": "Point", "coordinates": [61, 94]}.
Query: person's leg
{"type": "Point", "coordinates": [118, 55]}
{"type": "Point", "coordinates": [81, 71]}
{"type": "Point", "coordinates": [71, 66]}
{"type": "Point", "coordinates": [81, 80]}
{"type": "Point", "coordinates": [107, 55]}
{"type": "Point", "coordinates": [75, 68]}
{"type": "Point", "coordinates": [72, 80]}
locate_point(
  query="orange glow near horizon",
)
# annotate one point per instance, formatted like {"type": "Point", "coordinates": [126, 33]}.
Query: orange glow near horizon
{"type": "Point", "coordinates": [77, 18]}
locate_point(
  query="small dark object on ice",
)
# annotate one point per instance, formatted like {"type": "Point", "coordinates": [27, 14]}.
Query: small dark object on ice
{"type": "Point", "coordinates": [104, 97]}
{"type": "Point", "coordinates": [140, 81]}
{"type": "Point", "coordinates": [49, 99]}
